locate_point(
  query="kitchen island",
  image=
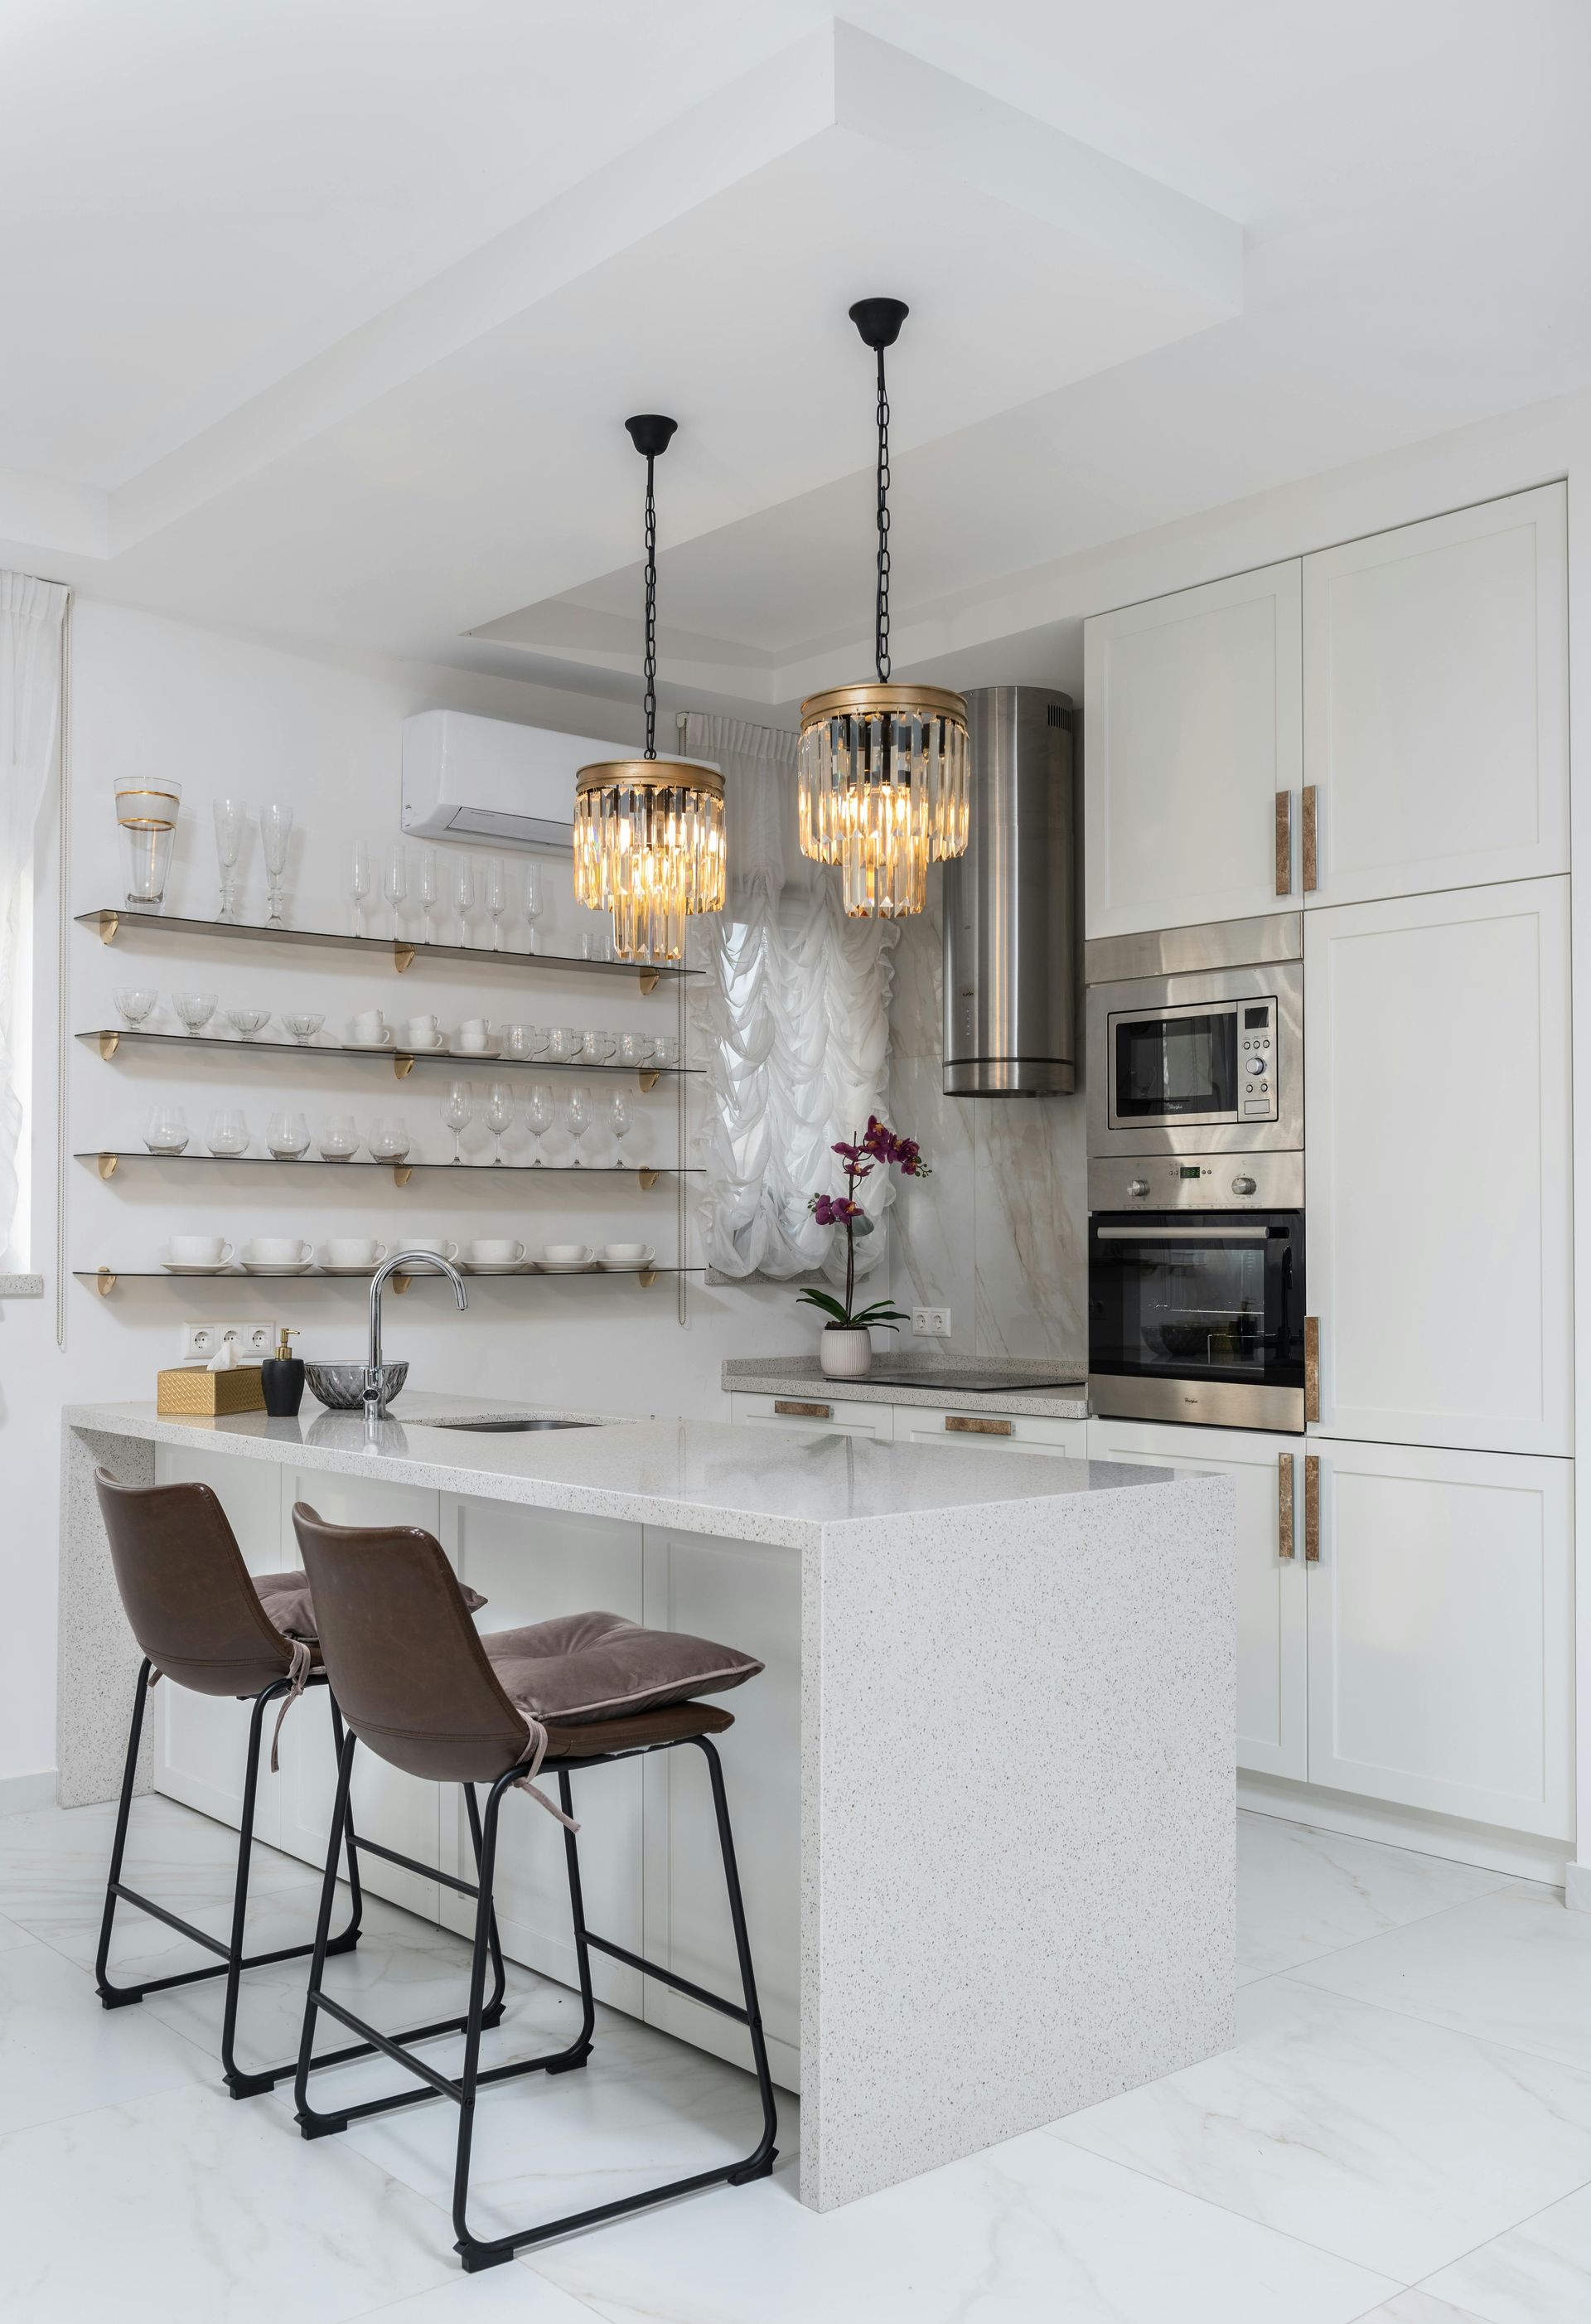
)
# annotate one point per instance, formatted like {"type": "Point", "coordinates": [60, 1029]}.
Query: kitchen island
{"type": "Point", "coordinates": [982, 1792]}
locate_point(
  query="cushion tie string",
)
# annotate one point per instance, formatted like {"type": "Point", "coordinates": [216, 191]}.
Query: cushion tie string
{"type": "Point", "coordinates": [526, 1782]}
{"type": "Point", "coordinates": [298, 1674]}
{"type": "Point", "coordinates": [155, 1676]}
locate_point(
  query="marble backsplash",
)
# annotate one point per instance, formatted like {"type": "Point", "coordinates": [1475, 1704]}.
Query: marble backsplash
{"type": "Point", "coordinates": [998, 1233]}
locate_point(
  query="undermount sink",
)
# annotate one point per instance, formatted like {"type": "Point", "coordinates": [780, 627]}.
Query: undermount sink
{"type": "Point", "coordinates": [503, 1423]}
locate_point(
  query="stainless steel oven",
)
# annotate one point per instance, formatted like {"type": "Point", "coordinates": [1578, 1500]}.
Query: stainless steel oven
{"type": "Point", "coordinates": [1205, 1056]}
{"type": "Point", "coordinates": [1197, 1314]}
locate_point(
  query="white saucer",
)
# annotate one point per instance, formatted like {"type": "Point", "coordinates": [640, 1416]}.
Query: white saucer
{"type": "Point", "coordinates": [497, 1266]}
{"type": "Point", "coordinates": [221, 1266]}
{"type": "Point", "coordinates": [349, 1042]}
{"type": "Point", "coordinates": [627, 1265]}
{"type": "Point", "coordinates": [567, 1266]}
{"type": "Point", "coordinates": [275, 1266]}
{"type": "Point", "coordinates": [367, 1266]}
{"type": "Point", "coordinates": [437, 1048]}
{"type": "Point", "coordinates": [481, 1056]}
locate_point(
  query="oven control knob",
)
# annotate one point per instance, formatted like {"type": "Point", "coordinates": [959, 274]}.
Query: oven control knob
{"type": "Point", "coordinates": [1243, 1185]}
{"type": "Point", "coordinates": [1138, 1187]}
{"type": "Point", "coordinates": [1257, 1065]}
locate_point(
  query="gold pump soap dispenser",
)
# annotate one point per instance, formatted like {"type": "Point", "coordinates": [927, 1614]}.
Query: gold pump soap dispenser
{"type": "Point", "coordinates": [282, 1379]}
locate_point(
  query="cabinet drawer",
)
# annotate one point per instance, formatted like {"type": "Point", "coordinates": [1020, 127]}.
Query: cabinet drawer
{"type": "Point", "coordinates": [996, 1432]}
{"type": "Point", "coordinates": [813, 1409]}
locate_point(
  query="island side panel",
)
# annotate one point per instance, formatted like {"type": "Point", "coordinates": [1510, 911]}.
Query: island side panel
{"type": "Point", "coordinates": [1019, 1852]}
{"type": "Point", "coordinates": [97, 1655]}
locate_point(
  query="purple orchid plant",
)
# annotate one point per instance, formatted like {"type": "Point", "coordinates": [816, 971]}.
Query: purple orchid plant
{"type": "Point", "coordinates": [877, 1148]}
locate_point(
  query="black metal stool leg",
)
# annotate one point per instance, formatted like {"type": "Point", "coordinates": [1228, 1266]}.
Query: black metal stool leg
{"type": "Point", "coordinates": [113, 1996]}
{"type": "Point", "coordinates": [477, 2255]}
{"type": "Point", "coordinates": [580, 2050]}
{"type": "Point", "coordinates": [328, 1891]}
{"type": "Point", "coordinates": [492, 2013]}
{"type": "Point", "coordinates": [241, 2085]}
{"type": "Point", "coordinates": [758, 2164]}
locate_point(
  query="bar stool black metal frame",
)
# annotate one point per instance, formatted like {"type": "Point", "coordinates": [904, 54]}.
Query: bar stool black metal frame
{"type": "Point", "coordinates": [475, 2252]}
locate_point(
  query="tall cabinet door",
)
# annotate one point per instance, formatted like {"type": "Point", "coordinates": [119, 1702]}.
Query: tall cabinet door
{"type": "Point", "coordinates": [1436, 1090]}
{"type": "Point", "coordinates": [1194, 726]}
{"type": "Point", "coordinates": [1441, 1632]}
{"type": "Point", "coordinates": [1272, 1662]}
{"type": "Point", "coordinates": [1436, 702]}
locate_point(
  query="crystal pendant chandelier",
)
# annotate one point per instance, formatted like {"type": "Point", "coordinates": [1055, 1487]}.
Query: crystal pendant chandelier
{"type": "Point", "coordinates": [883, 770]}
{"type": "Point", "coordinates": [648, 831]}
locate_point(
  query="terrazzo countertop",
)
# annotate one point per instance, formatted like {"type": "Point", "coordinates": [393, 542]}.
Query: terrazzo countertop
{"type": "Point", "coordinates": [704, 1476]}
{"type": "Point", "coordinates": [804, 1376]}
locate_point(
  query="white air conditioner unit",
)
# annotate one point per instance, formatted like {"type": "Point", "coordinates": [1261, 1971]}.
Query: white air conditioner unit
{"type": "Point", "coordinates": [469, 778]}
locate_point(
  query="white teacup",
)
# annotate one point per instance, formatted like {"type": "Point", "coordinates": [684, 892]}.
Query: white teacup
{"type": "Point", "coordinates": [201, 1251]}
{"type": "Point", "coordinates": [474, 1033]}
{"type": "Point", "coordinates": [370, 1025]}
{"type": "Point", "coordinates": [566, 1254]}
{"type": "Point", "coordinates": [355, 1251]}
{"type": "Point", "coordinates": [438, 1246]}
{"type": "Point", "coordinates": [495, 1254]}
{"type": "Point", "coordinates": [275, 1250]}
{"type": "Point", "coordinates": [626, 1254]}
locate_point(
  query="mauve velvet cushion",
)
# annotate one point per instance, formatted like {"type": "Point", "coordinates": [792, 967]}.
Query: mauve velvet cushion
{"type": "Point", "coordinates": [601, 1667]}
{"type": "Point", "coordinates": [287, 1602]}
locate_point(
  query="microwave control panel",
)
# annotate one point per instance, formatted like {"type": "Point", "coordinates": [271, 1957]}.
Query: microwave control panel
{"type": "Point", "coordinates": [1256, 1060]}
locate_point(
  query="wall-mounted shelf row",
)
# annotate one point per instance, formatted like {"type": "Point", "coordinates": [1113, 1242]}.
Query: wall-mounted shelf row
{"type": "Point", "coordinates": [108, 1160]}
{"type": "Point", "coordinates": [105, 1279]}
{"type": "Point", "coordinates": [400, 953]}
{"type": "Point", "coordinates": [111, 1039]}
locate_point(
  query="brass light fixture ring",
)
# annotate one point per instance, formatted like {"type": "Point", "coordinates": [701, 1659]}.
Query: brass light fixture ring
{"type": "Point", "coordinates": [649, 774]}
{"type": "Point", "coordinates": [875, 699]}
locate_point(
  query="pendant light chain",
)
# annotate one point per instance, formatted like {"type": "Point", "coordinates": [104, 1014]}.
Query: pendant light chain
{"type": "Point", "coordinates": [649, 665]}
{"type": "Point", "coordinates": [881, 600]}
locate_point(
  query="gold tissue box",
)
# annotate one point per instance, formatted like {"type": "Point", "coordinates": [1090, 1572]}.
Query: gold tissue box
{"type": "Point", "coordinates": [185, 1391]}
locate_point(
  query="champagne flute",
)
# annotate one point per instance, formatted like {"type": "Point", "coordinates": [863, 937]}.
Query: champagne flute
{"type": "Point", "coordinates": [499, 895]}
{"type": "Point", "coordinates": [532, 900]}
{"type": "Point", "coordinates": [459, 1111]}
{"type": "Point", "coordinates": [430, 889]}
{"type": "Point", "coordinates": [395, 885]}
{"type": "Point", "coordinates": [577, 1120]}
{"type": "Point", "coordinates": [500, 1114]}
{"type": "Point", "coordinates": [276, 828]}
{"type": "Point", "coordinates": [231, 815]}
{"type": "Point", "coordinates": [359, 882]}
{"type": "Point", "coordinates": [620, 1122]}
{"type": "Point", "coordinates": [463, 896]}
{"type": "Point", "coordinates": [540, 1113]}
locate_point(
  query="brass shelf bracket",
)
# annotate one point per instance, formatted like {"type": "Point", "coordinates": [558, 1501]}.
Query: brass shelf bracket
{"type": "Point", "coordinates": [105, 1281]}
{"type": "Point", "coordinates": [649, 1179]}
{"type": "Point", "coordinates": [109, 1043]}
{"type": "Point", "coordinates": [108, 923]}
{"type": "Point", "coordinates": [107, 1165]}
{"type": "Point", "coordinates": [646, 1278]}
{"type": "Point", "coordinates": [648, 980]}
{"type": "Point", "coordinates": [402, 957]}
{"type": "Point", "coordinates": [402, 1172]}
{"type": "Point", "coordinates": [648, 1078]}
{"type": "Point", "coordinates": [402, 1066]}
{"type": "Point", "coordinates": [401, 1283]}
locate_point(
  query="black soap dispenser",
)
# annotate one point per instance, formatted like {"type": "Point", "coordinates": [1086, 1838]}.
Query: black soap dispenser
{"type": "Point", "coordinates": [282, 1379]}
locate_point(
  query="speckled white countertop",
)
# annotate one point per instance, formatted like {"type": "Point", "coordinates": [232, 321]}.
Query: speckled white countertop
{"type": "Point", "coordinates": [702, 1476]}
{"type": "Point", "coordinates": [1019, 1391]}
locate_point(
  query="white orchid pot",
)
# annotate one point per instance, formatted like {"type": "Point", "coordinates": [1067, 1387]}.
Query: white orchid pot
{"type": "Point", "coordinates": [845, 1351]}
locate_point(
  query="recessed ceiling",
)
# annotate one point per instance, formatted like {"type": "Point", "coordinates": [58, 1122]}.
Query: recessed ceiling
{"type": "Point", "coordinates": [321, 320]}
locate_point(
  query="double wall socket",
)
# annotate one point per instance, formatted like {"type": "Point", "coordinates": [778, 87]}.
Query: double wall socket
{"type": "Point", "coordinates": [200, 1342]}
{"type": "Point", "coordinates": [931, 1322]}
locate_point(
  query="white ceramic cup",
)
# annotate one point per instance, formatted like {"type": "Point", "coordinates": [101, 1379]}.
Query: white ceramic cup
{"type": "Point", "coordinates": [276, 1251]}
{"type": "Point", "coordinates": [474, 1033]}
{"type": "Point", "coordinates": [437, 1245]}
{"type": "Point", "coordinates": [626, 1254]}
{"type": "Point", "coordinates": [370, 1025]}
{"type": "Point", "coordinates": [566, 1254]}
{"type": "Point", "coordinates": [495, 1254]}
{"type": "Point", "coordinates": [356, 1250]}
{"type": "Point", "coordinates": [420, 1032]}
{"type": "Point", "coordinates": [201, 1251]}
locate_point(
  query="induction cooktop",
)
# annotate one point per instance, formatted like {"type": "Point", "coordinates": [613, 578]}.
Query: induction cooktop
{"type": "Point", "coordinates": [976, 1383]}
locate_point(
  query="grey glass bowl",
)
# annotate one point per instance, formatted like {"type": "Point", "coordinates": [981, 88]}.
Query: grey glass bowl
{"type": "Point", "coordinates": [341, 1387]}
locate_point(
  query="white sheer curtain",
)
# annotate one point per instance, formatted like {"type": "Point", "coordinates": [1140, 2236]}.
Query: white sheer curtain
{"type": "Point", "coordinates": [791, 1024]}
{"type": "Point", "coordinates": [30, 616]}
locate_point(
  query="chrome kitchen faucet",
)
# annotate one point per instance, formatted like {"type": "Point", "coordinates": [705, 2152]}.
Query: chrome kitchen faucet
{"type": "Point", "coordinates": [402, 1262]}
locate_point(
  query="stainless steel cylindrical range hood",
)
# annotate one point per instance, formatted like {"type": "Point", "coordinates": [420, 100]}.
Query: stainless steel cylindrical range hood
{"type": "Point", "coordinates": [1009, 967]}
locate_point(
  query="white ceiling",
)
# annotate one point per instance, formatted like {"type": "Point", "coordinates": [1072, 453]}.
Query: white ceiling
{"type": "Point", "coordinates": [319, 317]}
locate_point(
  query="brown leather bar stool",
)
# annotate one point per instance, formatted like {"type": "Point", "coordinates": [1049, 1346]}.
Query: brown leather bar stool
{"type": "Point", "coordinates": [202, 1622]}
{"type": "Point", "coordinates": [425, 1691]}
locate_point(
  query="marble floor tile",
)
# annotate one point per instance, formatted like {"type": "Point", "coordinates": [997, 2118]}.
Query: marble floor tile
{"type": "Point", "coordinates": [189, 2209]}
{"type": "Point", "coordinates": [1302, 1893]}
{"type": "Point", "coordinates": [500, 2295]}
{"type": "Point", "coordinates": [1033, 2232]}
{"type": "Point", "coordinates": [1540, 2272]}
{"type": "Point", "coordinates": [60, 2053]}
{"type": "Point", "coordinates": [1513, 1966]}
{"type": "Point", "coordinates": [12, 1934]}
{"type": "Point", "coordinates": [1418, 2308]}
{"type": "Point", "coordinates": [1379, 2136]}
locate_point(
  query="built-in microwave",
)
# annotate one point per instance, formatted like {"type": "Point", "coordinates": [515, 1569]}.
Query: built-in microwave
{"type": "Point", "coordinates": [1207, 1061]}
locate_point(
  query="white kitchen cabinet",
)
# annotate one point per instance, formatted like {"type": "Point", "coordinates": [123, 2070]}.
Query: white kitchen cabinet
{"type": "Point", "coordinates": [748, 1595]}
{"type": "Point", "coordinates": [1436, 1091]}
{"type": "Point", "coordinates": [1194, 726]}
{"type": "Point", "coordinates": [1273, 1595]}
{"type": "Point", "coordinates": [991, 1431]}
{"type": "Point", "coordinates": [1442, 1655]}
{"type": "Point", "coordinates": [1436, 702]}
{"type": "Point", "coordinates": [815, 1408]}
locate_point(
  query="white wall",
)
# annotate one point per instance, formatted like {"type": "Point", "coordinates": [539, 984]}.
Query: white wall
{"type": "Point", "coordinates": [222, 714]}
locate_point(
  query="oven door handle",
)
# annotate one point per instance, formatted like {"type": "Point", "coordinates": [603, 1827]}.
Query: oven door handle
{"type": "Point", "coordinates": [1182, 1234]}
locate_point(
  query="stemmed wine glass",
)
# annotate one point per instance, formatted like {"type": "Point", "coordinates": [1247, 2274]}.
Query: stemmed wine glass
{"type": "Point", "coordinates": [620, 1122]}
{"type": "Point", "coordinates": [577, 1120]}
{"type": "Point", "coordinates": [395, 885]}
{"type": "Point", "coordinates": [532, 900]}
{"type": "Point", "coordinates": [359, 882]}
{"type": "Point", "coordinates": [459, 1111]}
{"type": "Point", "coordinates": [276, 828]}
{"type": "Point", "coordinates": [231, 815]}
{"type": "Point", "coordinates": [499, 895]}
{"type": "Point", "coordinates": [430, 889]}
{"type": "Point", "coordinates": [463, 896]}
{"type": "Point", "coordinates": [540, 1113]}
{"type": "Point", "coordinates": [500, 1114]}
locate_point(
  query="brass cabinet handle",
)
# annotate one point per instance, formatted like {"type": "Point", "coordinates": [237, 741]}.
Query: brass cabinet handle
{"type": "Point", "coordinates": [1312, 1368]}
{"type": "Point", "coordinates": [965, 1424]}
{"type": "Point", "coordinates": [1311, 846]}
{"type": "Point", "coordinates": [804, 1411]}
{"type": "Point", "coordinates": [1285, 1542]}
{"type": "Point", "coordinates": [1311, 1508]}
{"type": "Point", "coordinates": [1285, 843]}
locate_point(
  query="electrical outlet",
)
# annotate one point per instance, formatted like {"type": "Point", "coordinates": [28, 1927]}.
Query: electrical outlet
{"type": "Point", "coordinates": [200, 1342]}
{"type": "Point", "coordinates": [932, 1322]}
{"type": "Point", "coordinates": [256, 1340]}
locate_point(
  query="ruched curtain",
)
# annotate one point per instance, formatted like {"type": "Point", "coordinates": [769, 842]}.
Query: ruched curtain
{"type": "Point", "coordinates": [791, 1024]}
{"type": "Point", "coordinates": [30, 616]}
